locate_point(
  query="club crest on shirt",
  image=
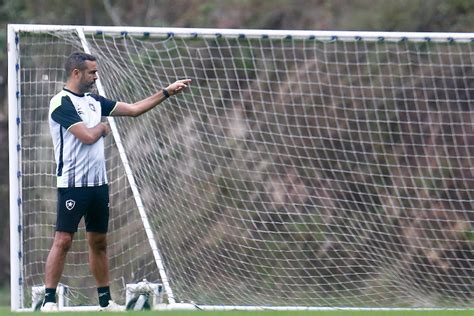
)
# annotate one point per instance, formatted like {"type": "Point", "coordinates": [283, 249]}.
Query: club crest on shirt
{"type": "Point", "coordinates": [92, 107]}
{"type": "Point", "coordinates": [70, 204]}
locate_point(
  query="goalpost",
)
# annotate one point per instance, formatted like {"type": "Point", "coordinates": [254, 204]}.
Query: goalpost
{"type": "Point", "coordinates": [300, 170]}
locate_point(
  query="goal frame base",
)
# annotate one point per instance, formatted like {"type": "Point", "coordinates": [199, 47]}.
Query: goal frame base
{"type": "Point", "coordinates": [141, 293]}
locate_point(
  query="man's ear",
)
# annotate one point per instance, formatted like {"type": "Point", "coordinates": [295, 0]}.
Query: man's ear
{"type": "Point", "coordinates": [75, 72]}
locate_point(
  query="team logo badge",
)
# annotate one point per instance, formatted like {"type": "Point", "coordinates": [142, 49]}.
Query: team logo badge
{"type": "Point", "coordinates": [92, 106]}
{"type": "Point", "coordinates": [70, 204]}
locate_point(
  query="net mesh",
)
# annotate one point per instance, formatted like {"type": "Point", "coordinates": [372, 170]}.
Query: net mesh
{"type": "Point", "coordinates": [42, 76]}
{"type": "Point", "coordinates": [292, 172]}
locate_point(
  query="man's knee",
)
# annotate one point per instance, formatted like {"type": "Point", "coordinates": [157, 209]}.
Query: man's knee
{"type": "Point", "coordinates": [63, 241]}
{"type": "Point", "coordinates": [97, 242]}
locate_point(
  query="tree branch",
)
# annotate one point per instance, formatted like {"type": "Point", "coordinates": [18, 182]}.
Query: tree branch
{"type": "Point", "coordinates": [112, 12]}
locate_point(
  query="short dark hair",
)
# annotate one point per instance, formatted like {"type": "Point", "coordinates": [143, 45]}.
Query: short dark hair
{"type": "Point", "coordinates": [77, 60]}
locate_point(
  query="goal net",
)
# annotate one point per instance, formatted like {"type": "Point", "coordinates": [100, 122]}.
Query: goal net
{"type": "Point", "coordinates": [310, 169]}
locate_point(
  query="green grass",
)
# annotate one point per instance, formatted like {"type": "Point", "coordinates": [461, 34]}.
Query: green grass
{"type": "Point", "coordinates": [5, 311]}
{"type": "Point", "coordinates": [5, 295]}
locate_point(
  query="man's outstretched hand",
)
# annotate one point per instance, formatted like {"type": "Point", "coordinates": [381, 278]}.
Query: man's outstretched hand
{"type": "Point", "coordinates": [178, 86]}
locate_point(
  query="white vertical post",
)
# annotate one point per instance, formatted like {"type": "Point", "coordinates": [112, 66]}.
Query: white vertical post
{"type": "Point", "coordinates": [134, 188]}
{"type": "Point", "coordinates": [16, 264]}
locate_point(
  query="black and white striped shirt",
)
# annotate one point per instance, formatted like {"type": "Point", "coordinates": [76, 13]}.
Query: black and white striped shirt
{"type": "Point", "coordinates": [78, 164]}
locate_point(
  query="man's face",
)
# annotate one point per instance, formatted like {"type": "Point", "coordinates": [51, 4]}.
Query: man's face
{"type": "Point", "coordinates": [87, 76]}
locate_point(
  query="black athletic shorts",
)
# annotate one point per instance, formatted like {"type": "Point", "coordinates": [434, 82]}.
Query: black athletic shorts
{"type": "Point", "coordinates": [92, 203]}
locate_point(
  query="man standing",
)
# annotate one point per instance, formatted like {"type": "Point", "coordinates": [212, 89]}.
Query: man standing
{"type": "Point", "coordinates": [77, 132]}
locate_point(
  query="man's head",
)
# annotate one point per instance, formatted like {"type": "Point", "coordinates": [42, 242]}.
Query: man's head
{"type": "Point", "coordinates": [81, 70]}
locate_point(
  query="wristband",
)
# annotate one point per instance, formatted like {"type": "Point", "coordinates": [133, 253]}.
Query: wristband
{"type": "Point", "coordinates": [166, 93]}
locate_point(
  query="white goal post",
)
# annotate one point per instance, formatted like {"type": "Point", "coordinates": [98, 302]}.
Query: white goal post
{"type": "Point", "coordinates": [300, 170]}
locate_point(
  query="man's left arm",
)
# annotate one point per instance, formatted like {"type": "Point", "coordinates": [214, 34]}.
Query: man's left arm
{"type": "Point", "coordinates": [142, 106]}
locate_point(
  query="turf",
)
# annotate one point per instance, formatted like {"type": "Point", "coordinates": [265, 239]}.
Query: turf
{"type": "Point", "coordinates": [5, 311]}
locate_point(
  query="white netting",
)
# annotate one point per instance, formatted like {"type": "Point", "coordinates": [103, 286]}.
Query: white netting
{"type": "Point", "coordinates": [292, 171]}
{"type": "Point", "coordinates": [42, 75]}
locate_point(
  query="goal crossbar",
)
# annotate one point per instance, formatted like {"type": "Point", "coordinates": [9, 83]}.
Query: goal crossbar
{"type": "Point", "coordinates": [252, 33]}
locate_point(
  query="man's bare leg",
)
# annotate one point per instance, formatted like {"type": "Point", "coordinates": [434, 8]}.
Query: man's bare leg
{"type": "Point", "coordinates": [56, 258]}
{"type": "Point", "coordinates": [99, 265]}
{"type": "Point", "coordinates": [98, 260]}
{"type": "Point", "coordinates": [55, 264]}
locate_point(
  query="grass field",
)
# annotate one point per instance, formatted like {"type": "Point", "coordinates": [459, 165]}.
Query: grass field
{"type": "Point", "coordinates": [5, 311]}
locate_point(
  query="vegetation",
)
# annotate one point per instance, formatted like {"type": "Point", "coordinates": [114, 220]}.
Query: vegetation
{"type": "Point", "coordinates": [403, 15]}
